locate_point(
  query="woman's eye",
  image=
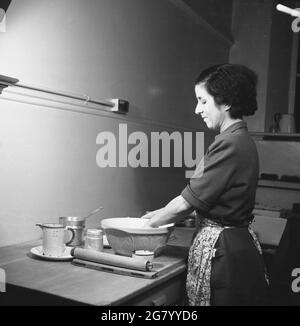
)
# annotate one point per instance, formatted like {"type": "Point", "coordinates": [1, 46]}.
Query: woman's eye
{"type": "Point", "coordinates": [202, 101]}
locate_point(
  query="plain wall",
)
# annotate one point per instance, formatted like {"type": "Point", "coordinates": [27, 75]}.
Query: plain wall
{"type": "Point", "coordinates": [251, 28]}
{"type": "Point", "coordinates": [146, 52]}
{"type": "Point", "coordinates": [219, 14]}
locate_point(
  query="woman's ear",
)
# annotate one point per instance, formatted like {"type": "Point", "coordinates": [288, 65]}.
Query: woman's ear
{"type": "Point", "coordinates": [225, 108]}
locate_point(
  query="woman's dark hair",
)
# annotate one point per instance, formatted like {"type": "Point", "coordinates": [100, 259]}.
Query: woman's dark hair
{"type": "Point", "coordinates": [233, 85]}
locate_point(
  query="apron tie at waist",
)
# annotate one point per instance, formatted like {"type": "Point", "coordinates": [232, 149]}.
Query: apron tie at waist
{"type": "Point", "coordinates": [221, 221]}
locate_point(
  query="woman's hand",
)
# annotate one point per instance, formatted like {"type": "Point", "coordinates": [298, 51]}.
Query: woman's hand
{"type": "Point", "coordinates": [149, 215]}
{"type": "Point", "coordinates": [176, 209]}
{"type": "Point", "coordinates": [153, 218]}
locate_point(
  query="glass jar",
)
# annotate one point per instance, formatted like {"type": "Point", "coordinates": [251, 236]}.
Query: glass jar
{"type": "Point", "coordinates": [94, 239]}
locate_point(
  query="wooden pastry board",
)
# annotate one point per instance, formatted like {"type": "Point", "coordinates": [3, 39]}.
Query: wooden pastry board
{"type": "Point", "coordinates": [168, 260]}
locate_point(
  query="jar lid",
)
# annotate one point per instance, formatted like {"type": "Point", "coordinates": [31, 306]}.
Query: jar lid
{"type": "Point", "coordinates": [95, 232]}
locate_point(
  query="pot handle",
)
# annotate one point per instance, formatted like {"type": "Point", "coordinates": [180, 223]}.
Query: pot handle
{"type": "Point", "coordinates": [73, 235]}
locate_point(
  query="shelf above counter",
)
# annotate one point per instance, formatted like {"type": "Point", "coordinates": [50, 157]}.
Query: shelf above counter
{"type": "Point", "coordinates": [279, 184]}
{"type": "Point", "coordinates": [275, 136]}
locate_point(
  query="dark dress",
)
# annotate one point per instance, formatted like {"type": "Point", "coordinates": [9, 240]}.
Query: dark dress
{"type": "Point", "coordinates": [225, 261]}
{"type": "Point", "coordinates": [285, 270]}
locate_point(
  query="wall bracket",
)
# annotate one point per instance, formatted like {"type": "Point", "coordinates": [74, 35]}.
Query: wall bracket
{"type": "Point", "coordinates": [7, 81]}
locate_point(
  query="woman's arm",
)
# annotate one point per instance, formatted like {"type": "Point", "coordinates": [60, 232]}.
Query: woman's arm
{"type": "Point", "coordinates": [174, 211]}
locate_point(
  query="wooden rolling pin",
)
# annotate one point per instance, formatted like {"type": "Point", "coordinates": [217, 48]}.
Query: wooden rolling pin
{"type": "Point", "coordinates": [111, 259]}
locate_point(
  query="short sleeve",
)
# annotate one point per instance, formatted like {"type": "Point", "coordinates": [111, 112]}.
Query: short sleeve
{"type": "Point", "coordinates": [213, 177]}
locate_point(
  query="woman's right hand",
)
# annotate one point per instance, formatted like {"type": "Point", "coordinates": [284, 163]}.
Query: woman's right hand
{"type": "Point", "coordinates": [150, 214]}
{"type": "Point", "coordinates": [155, 218]}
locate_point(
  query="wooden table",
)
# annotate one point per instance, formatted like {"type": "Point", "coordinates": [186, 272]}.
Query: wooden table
{"type": "Point", "coordinates": [32, 281]}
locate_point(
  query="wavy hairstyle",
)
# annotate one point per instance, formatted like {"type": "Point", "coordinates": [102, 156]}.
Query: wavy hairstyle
{"type": "Point", "coordinates": [233, 85]}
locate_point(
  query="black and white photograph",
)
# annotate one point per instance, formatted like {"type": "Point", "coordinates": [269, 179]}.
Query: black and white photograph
{"type": "Point", "coordinates": [149, 155]}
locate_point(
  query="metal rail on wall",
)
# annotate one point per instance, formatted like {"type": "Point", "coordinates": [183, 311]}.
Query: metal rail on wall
{"type": "Point", "coordinates": [114, 105]}
{"type": "Point", "coordinates": [80, 105]}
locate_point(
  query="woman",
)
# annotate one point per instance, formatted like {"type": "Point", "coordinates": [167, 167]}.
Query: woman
{"type": "Point", "coordinates": [225, 265]}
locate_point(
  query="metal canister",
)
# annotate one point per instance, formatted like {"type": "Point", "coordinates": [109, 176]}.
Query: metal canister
{"type": "Point", "coordinates": [78, 225]}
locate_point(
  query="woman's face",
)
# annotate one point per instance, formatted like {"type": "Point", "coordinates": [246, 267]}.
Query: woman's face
{"type": "Point", "coordinates": [212, 114]}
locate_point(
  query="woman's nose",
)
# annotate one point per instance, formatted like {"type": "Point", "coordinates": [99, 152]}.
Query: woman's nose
{"type": "Point", "coordinates": [198, 109]}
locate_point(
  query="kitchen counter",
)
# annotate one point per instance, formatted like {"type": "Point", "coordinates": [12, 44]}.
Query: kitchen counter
{"type": "Point", "coordinates": [32, 281]}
